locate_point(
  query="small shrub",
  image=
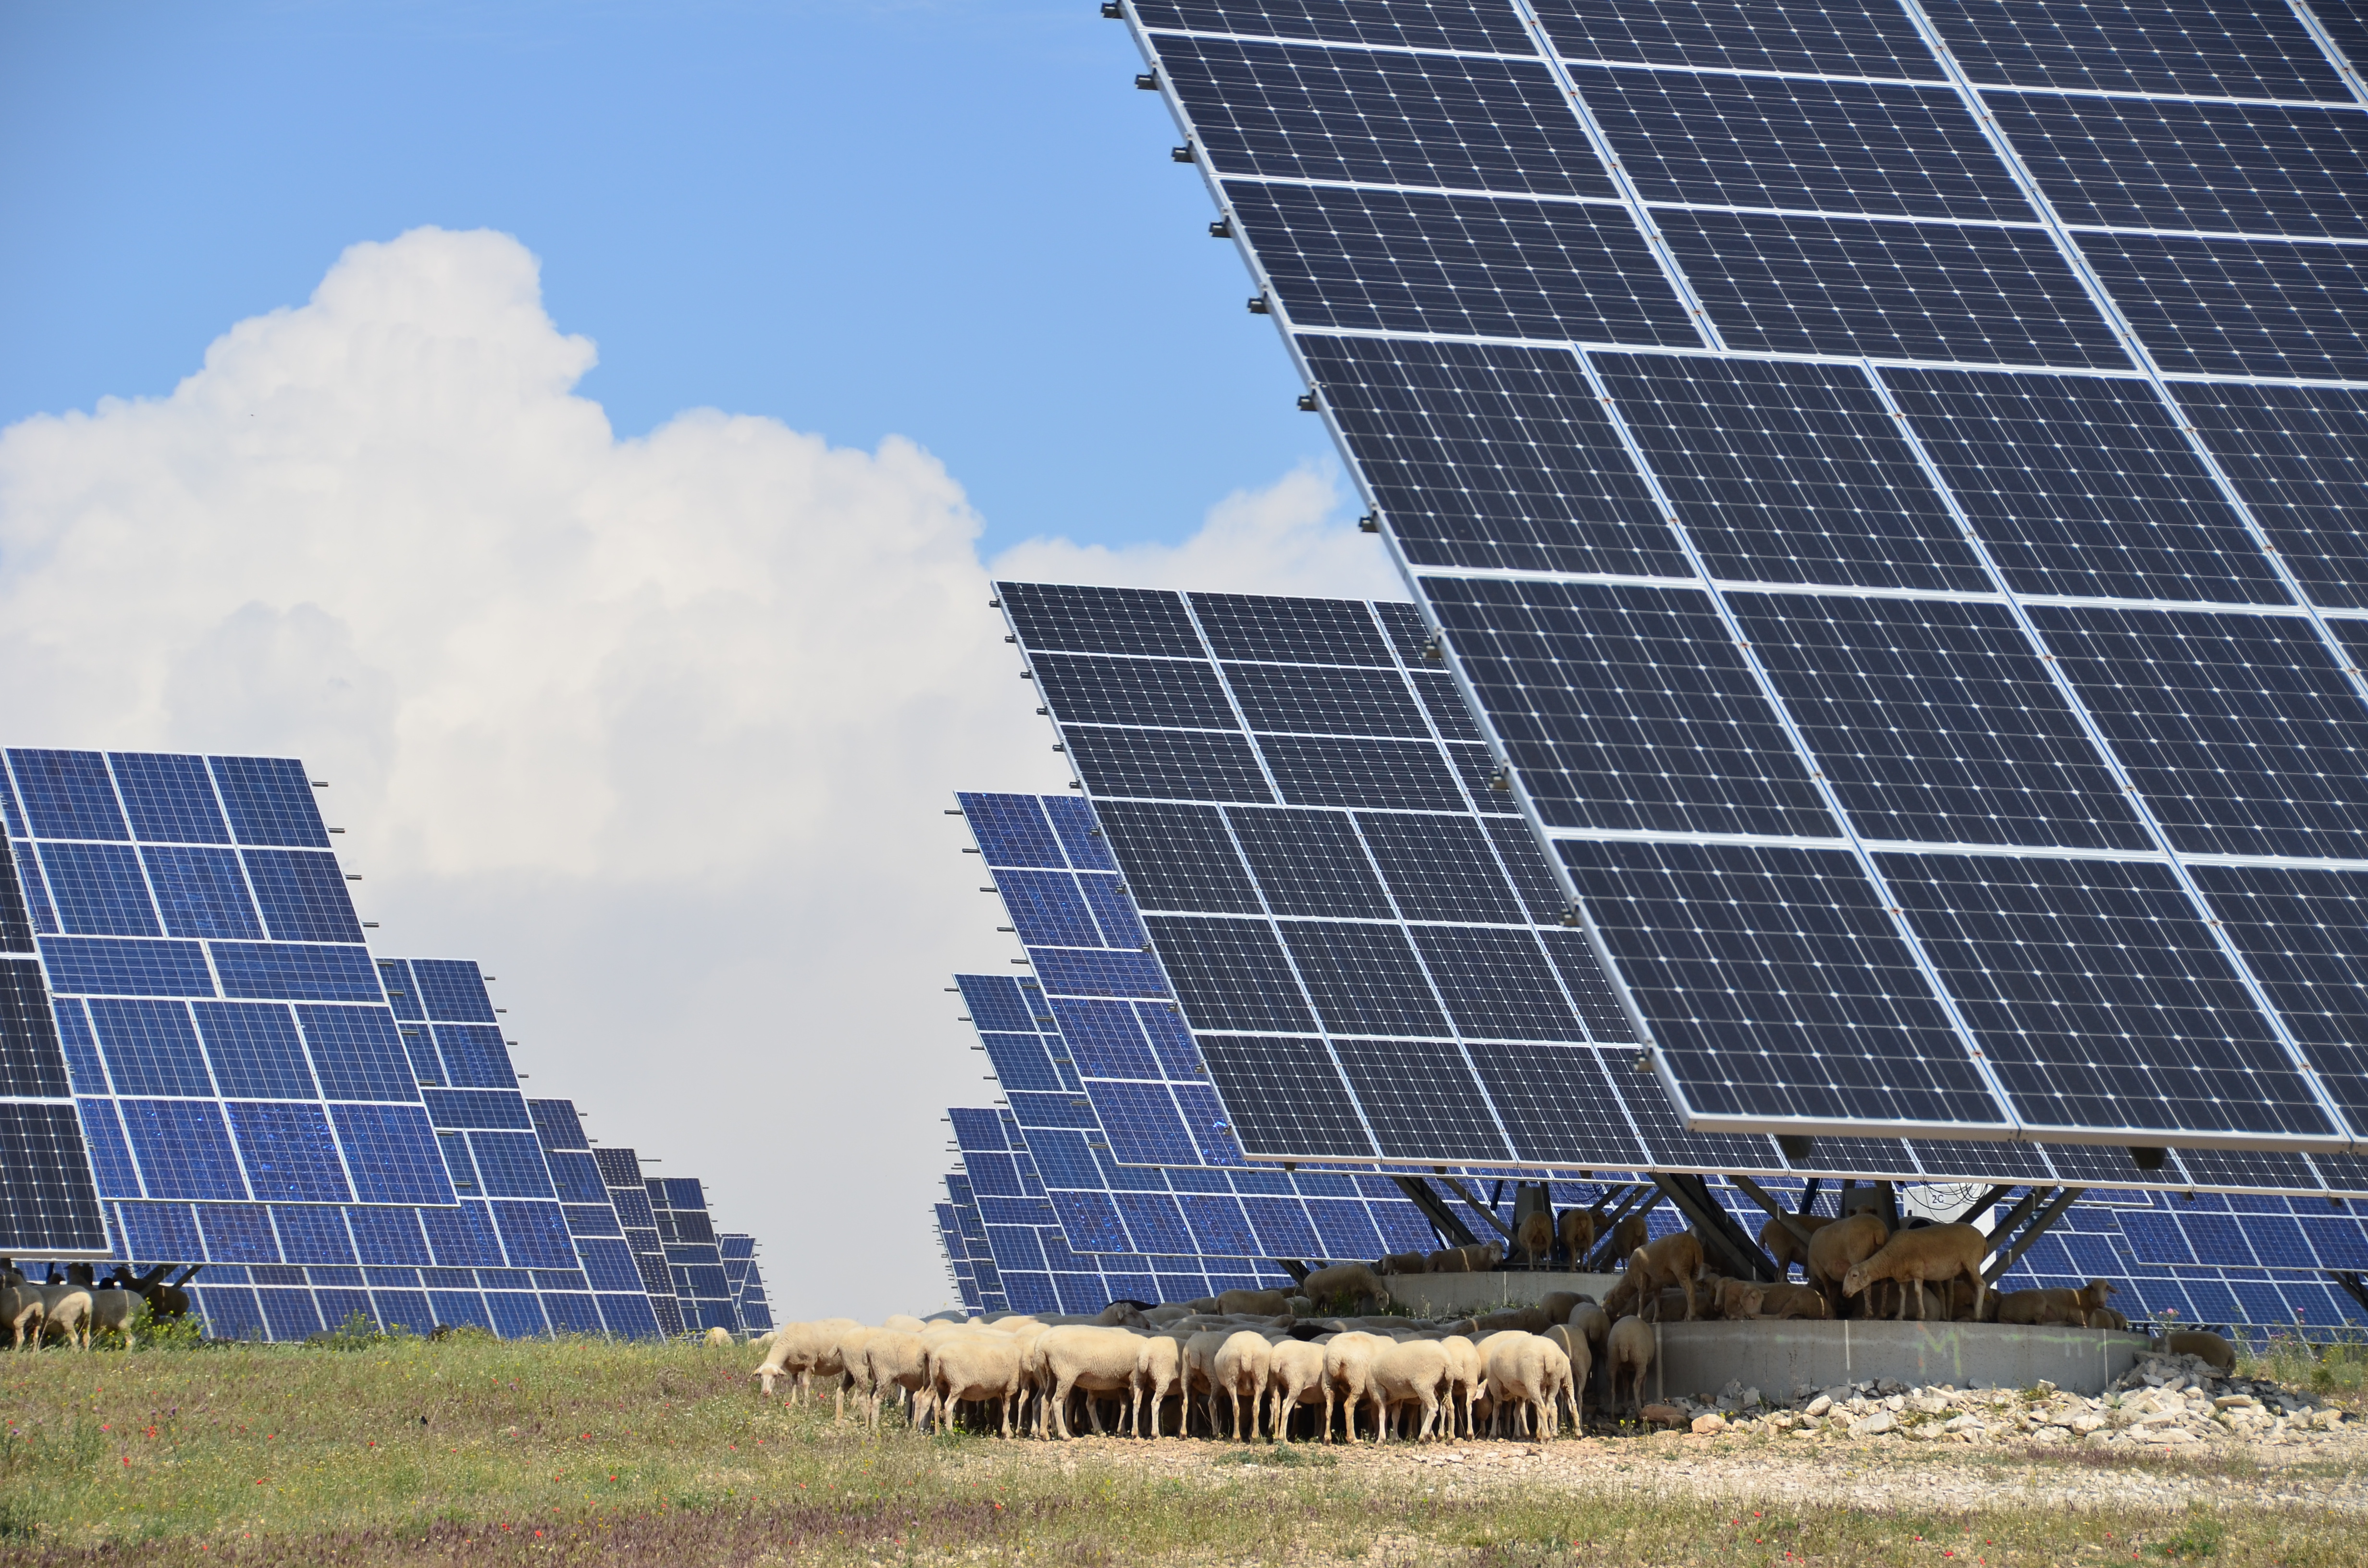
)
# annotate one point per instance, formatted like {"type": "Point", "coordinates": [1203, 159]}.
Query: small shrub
{"type": "Point", "coordinates": [2200, 1537]}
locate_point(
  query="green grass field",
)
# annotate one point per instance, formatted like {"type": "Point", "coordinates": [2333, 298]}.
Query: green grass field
{"type": "Point", "coordinates": [480, 1451]}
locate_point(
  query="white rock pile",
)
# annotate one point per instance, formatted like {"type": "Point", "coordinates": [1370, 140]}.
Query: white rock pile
{"type": "Point", "coordinates": [2163, 1401]}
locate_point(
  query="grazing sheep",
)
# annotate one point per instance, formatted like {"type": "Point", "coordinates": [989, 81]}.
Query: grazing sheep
{"type": "Point", "coordinates": [1783, 1249]}
{"type": "Point", "coordinates": [1325, 1286]}
{"type": "Point", "coordinates": [1469, 1375]}
{"type": "Point", "coordinates": [2203, 1343]}
{"type": "Point", "coordinates": [1482, 1258]}
{"type": "Point", "coordinates": [1294, 1377]}
{"type": "Point", "coordinates": [1674, 1259]}
{"type": "Point", "coordinates": [1632, 1346]}
{"type": "Point", "coordinates": [1834, 1248]}
{"type": "Point", "coordinates": [1576, 1230]}
{"type": "Point", "coordinates": [1120, 1314]}
{"type": "Point", "coordinates": [1404, 1263]}
{"type": "Point", "coordinates": [902, 1324]}
{"type": "Point", "coordinates": [1241, 1366]}
{"type": "Point", "coordinates": [893, 1359]}
{"type": "Point", "coordinates": [842, 1356]}
{"type": "Point", "coordinates": [972, 1368]}
{"type": "Point", "coordinates": [795, 1348]}
{"type": "Point", "coordinates": [117, 1309]}
{"type": "Point", "coordinates": [1523, 1320]}
{"type": "Point", "coordinates": [1158, 1367]}
{"type": "Point", "coordinates": [1536, 1236]}
{"type": "Point", "coordinates": [1254, 1304]}
{"type": "Point", "coordinates": [1913, 1257]}
{"type": "Point", "coordinates": [1200, 1372]}
{"type": "Point", "coordinates": [21, 1310]}
{"type": "Point", "coordinates": [1348, 1377]}
{"type": "Point", "coordinates": [1082, 1356]}
{"type": "Point", "coordinates": [67, 1309]}
{"type": "Point", "coordinates": [1450, 1260]}
{"type": "Point", "coordinates": [1557, 1304]}
{"type": "Point", "coordinates": [1415, 1371]}
{"type": "Point", "coordinates": [717, 1337]}
{"type": "Point", "coordinates": [2041, 1309]}
{"type": "Point", "coordinates": [1522, 1377]}
{"type": "Point", "coordinates": [1581, 1358]}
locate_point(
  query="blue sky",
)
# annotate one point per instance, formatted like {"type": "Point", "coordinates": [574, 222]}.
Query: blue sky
{"type": "Point", "coordinates": [956, 220]}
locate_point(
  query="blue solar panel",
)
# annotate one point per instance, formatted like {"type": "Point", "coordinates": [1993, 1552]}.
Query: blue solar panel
{"type": "Point", "coordinates": [2040, 257]}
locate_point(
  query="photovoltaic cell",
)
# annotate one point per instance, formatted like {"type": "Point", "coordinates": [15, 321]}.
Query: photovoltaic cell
{"type": "Point", "coordinates": [1869, 40]}
{"type": "Point", "coordinates": [2239, 307]}
{"type": "Point", "coordinates": [2298, 456]}
{"type": "Point", "coordinates": [2252, 50]}
{"type": "Point", "coordinates": [1471, 25]}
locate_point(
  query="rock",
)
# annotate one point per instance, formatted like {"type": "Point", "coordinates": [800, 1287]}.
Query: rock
{"type": "Point", "coordinates": [1874, 1425]}
{"type": "Point", "coordinates": [2327, 1420]}
{"type": "Point", "coordinates": [2098, 1440]}
{"type": "Point", "coordinates": [2084, 1424]}
{"type": "Point", "coordinates": [2228, 1402]}
{"type": "Point", "coordinates": [1709, 1425]}
{"type": "Point", "coordinates": [1963, 1424]}
{"type": "Point", "coordinates": [2053, 1435]}
{"type": "Point", "coordinates": [2042, 1385]}
{"type": "Point", "coordinates": [1662, 1415]}
{"type": "Point", "coordinates": [1817, 1406]}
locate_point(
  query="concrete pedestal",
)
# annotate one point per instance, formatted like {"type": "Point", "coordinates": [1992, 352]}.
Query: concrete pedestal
{"type": "Point", "coordinates": [1775, 1356]}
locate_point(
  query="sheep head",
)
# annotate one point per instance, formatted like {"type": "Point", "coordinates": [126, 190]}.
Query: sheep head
{"type": "Point", "coordinates": [1856, 1281]}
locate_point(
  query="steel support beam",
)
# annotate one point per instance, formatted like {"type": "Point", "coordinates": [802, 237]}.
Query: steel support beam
{"type": "Point", "coordinates": [2018, 1214]}
{"type": "Point", "coordinates": [2038, 1227]}
{"type": "Point", "coordinates": [1650, 1195]}
{"type": "Point", "coordinates": [1452, 1230]}
{"type": "Point", "coordinates": [1989, 1200]}
{"type": "Point", "coordinates": [1485, 1211]}
{"type": "Point", "coordinates": [2353, 1284]}
{"type": "Point", "coordinates": [1719, 1232]}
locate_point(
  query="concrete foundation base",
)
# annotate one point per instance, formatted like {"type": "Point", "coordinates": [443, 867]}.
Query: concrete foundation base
{"type": "Point", "coordinates": [1467, 1295]}
{"type": "Point", "coordinates": [1775, 1356]}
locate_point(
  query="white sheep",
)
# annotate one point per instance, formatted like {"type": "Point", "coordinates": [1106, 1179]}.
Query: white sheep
{"type": "Point", "coordinates": [117, 1309]}
{"type": "Point", "coordinates": [1580, 1359]}
{"type": "Point", "coordinates": [22, 1307]}
{"type": "Point", "coordinates": [1325, 1286]}
{"type": "Point", "coordinates": [67, 1309]}
{"type": "Point", "coordinates": [969, 1367]}
{"type": "Point", "coordinates": [1294, 1377]}
{"type": "Point", "coordinates": [1521, 1375]}
{"type": "Point", "coordinates": [1098, 1360]}
{"type": "Point", "coordinates": [1259, 1303]}
{"type": "Point", "coordinates": [1417, 1373]}
{"type": "Point", "coordinates": [1914, 1257]}
{"type": "Point", "coordinates": [1469, 1370]}
{"type": "Point", "coordinates": [1348, 1377]}
{"type": "Point", "coordinates": [1158, 1367]}
{"type": "Point", "coordinates": [894, 1359]}
{"type": "Point", "coordinates": [1630, 1345]}
{"type": "Point", "coordinates": [1835, 1249]}
{"type": "Point", "coordinates": [1241, 1367]}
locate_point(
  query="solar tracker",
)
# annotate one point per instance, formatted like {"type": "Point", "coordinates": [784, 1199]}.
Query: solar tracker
{"type": "Point", "coordinates": [629, 1194]}
{"type": "Point", "coordinates": [694, 1256]}
{"type": "Point", "coordinates": [1274, 920]}
{"type": "Point", "coordinates": [1883, 480]}
{"type": "Point", "coordinates": [748, 1281]}
{"type": "Point", "coordinates": [967, 1253]}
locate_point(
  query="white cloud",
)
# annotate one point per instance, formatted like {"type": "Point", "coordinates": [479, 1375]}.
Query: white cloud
{"type": "Point", "coordinates": [660, 730]}
{"type": "Point", "coordinates": [1291, 537]}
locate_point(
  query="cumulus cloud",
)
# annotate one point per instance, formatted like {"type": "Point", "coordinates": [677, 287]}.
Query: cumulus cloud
{"type": "Point", "coordinates": [661, 730]}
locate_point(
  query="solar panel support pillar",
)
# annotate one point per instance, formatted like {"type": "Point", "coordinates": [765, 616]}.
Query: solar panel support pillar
{"type": "Point", "coordinates": [1486, 1212]}
{"type": "Point", "coordinates": [1759, 1195]}
{"type": "Point", "coordinates": [1989, 1200]}
{"type": "Point", "coordinates": [1809, 1194]}
{"type": "Point", "coordinates": [2353, 1285]}
{"type": "Point", "coordinates": [1719, 1232]}
{"type": "Point", "coordinates": [2031, 1232]}
{"type": "Point", "coordinates": [2017, 1215]}
{"type": "Point", "coordinates": [1450, 1230]}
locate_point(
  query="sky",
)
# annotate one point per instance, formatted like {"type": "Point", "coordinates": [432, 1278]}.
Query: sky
{"type": "Point", "coordinates": [585, 435]}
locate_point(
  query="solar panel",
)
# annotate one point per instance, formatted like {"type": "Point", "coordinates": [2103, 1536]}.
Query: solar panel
{"type": "Point", "coordinates": [1935, 339]}
{"type": "Point", "coordinates": [629, 1194]}
{"type": "Point", "coordinates": [1360, 983]}
{"type": "Point", "coordinates": [972, 1259]}
{"type": "Point", "coordinates": [693, 1254]}
{"type": "Point", "coordinates": [748, 1281]}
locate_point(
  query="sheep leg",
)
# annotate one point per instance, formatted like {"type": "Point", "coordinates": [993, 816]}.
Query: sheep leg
{"type": "Point", "coordinates": [1688, 1282]}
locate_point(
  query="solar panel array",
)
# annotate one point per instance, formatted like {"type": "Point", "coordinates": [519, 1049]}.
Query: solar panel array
{"type": "Point", "coordinates": [694, 1256]}
{"type": "Point", "coordinates": [963, 1236]}
{"type": "Point", "coordinates": [748, 1281]}
{"type": "Point", "coordinates": [621, 1172]}
{"type": "Point", "coordinates": [1314, 917]}
{"type": "Point", "coordinates": [1886, 478]}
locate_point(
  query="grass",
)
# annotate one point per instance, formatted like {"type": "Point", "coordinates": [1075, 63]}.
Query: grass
{"type": "Point", "coordinates": [480, 1451]}
{"type": "Point", "coordinates": [2333, 1369]}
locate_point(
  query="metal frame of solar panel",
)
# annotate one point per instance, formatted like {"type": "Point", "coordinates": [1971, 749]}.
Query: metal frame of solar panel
{"type": "Point", "coordinates": [1108, 1205]}
{"type": "Point", "coordinates": [694, 1256]}
{"type": "Point", "coordinates": [621, 1170]}
{"type": "Point", "coordinates": [1880, 475]}
{"type": "Point", "coordinates": [1275, 902]}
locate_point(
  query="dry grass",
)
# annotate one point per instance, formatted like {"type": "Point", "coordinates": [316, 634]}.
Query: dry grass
{"type": "Point", "coordinates": [488, 1453]}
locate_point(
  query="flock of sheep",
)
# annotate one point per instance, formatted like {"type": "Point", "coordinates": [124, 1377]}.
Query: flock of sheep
{"type": "Point", "coordinates": [78, 1307]}
{"type": "Point", "coordinates": [1260, 1363]}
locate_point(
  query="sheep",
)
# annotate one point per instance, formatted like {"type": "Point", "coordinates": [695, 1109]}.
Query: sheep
{"type": "Point", "coordinates": [1632, 1347]}
{"type": "Point", "coordinates": [2203, 1344]}
{"type": "Point", "coordinates": [1294, 1377]}
{"type": "Point", "coordinates": [1630, 1234]}
{"type": "Point", "coordinates": [1241, 1366]}
{"type": "Point", "coordinates": [796, 1347]}
{"type": "Point", "coordinates": [117, 1309]}
{"type": "Point", "coordinates": [1535, 1236]}
{"type": "Point", "coordinates": [1557, 1304]}
{"type": "Point", "coordinates": [1785, 1250]}
{"type": "Point", "coordinates": [1348, 1375]}
{"type": "Point", "coordinates": [1355, 1280]}
{"type": "Point", "coordinates": [2077, 1308]}
{"type": "Point", "coordinates": [1581, 1358]}
{"type": "Point", "coordinates": [1592, 1320]}
{"type": "Point", "coordinates": [2107, 1318]}
{"type": "Point", "coordinates": [1674, 1259]}
{"type": "Point", "coordinates": [975, 1366]}
{"type": "Point", "coordinates": [1834, 1248]}
{"type": "Point", "coordinates": [1469, 1374]}
{"type": "Point", "coordinates": [1480, 1259]}
{"type": "Point", "coordinates": [893, 1359]}
{"type": "Point", "coordinates": [1404, 1263]}
{"type": "Point", "coordinates": [902, 1324]}
{"type": "Point", "coordinates": [1449, 1260]}
{"type": "Point", "coordinates": [22, 1307]}
{"type": "Point", "coordinates": [1074, 1355]}
{"type": "Point", "coordinates": [1262, 1303]}
{"type": "Point", "coordinates": [1120, 1314]}
{"type": "Point", "coordinates": [1526, 1320]}
{"type": "Point", "coordinates": [1576, 1230]}
{"type": "Point", "coordinates": [1911, 1257]}
{"type": "Point", "coordinates": [1200, 1374]}
{"type": "Point", "coordinates": [1739, 1298]}
{"type": "Point", "coordinates": [1790, 1301]}
{"type": "Point", "coordinates": [1418, 1371]}
{"type": "Point", "coordinates": [1521, 1375]}
{"type": "Point", "coordinates": [2041, 1309]}
{"type": "Point", "coordinates": [842, 1356]}
{"type": "Point", "coordinates": [716, 1337]}
{"type": "Point", "coordinates": [67, 1309]}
